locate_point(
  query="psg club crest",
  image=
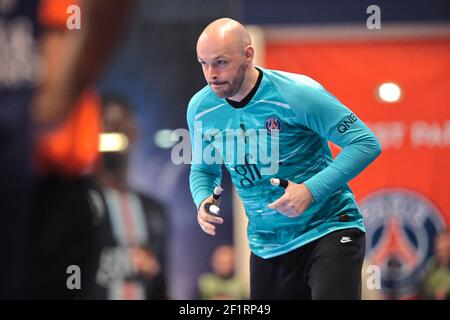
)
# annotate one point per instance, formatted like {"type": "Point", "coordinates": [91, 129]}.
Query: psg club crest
{"type": "Point", "coordinates": [401, 227]}
{"type": "Point", "coordinates": [273, 123]}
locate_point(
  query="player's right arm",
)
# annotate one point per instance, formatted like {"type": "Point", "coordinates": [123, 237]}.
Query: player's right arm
{"type": "Point", "coordinates": [203, 177]}
{"type": "Point", "coordinates": [205, 219]}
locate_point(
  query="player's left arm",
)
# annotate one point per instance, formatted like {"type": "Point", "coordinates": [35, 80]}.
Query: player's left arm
{"type": "Point", "coordinates": [333, 121]}
{"type": "Point", "coordinates": [321, 112]}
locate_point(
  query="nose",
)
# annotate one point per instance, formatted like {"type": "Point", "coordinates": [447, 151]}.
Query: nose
{"type": "Point", "coordinates": [211, 74]}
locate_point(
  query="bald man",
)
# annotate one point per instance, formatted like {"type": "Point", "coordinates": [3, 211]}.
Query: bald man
{"type": "Point", "coordinates": [308, 239]}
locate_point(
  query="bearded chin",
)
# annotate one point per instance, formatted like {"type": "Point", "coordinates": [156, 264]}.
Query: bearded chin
{"type": "Point", "coordinates": [221, 93]}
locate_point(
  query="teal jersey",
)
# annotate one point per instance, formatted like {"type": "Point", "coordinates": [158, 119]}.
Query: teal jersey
{"type": "Point", "coordinates": [298, 117]}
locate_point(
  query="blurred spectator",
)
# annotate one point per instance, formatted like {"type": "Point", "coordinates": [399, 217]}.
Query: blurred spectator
{"type": "Point", "coordinates": [221, 283]}
{"type": "Point", "coordinates": [133, 235]}
{"type": "Point", "coordinates": [436, 284]}
{"type": "Point", "coordinates": [66, 113]}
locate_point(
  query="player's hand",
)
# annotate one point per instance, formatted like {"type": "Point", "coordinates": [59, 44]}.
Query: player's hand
{"type": "Point", "coordinates": [294, 202]}
{"type": "Point", "coordinates": [207, 220]}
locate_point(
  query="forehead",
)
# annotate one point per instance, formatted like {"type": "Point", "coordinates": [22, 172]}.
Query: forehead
{"type": "Point", "coordinates": [211, 48]}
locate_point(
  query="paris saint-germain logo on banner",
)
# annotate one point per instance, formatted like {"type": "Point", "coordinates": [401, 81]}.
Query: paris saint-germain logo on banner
{"type": "Point", "coordinates": [401, 227]}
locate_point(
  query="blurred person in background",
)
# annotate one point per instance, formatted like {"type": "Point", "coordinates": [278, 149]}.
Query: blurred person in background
{"type": "Point", "coordinates": [133, 234]}
{"type": "Point", "coordinates": [67, 151]}
{"type": "Point", "coordinates": [221, 283]}
{"type": "Point", "coordinates": [67, 115]}
{"type": "Point", "coordinates": [436, 284]}
{"type": "Point", "coordinates": [70, 63]}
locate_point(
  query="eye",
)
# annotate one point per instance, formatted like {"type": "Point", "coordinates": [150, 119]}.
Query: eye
{"type": "Point", "coordinates": [221, 62]}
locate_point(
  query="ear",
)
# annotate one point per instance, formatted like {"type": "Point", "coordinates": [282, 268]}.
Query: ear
{"type": "Point", "coordinates": [249, 53]}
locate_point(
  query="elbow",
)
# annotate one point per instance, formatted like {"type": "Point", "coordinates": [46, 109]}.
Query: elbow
{"type": "Point", "coordinates": [371, 147]}
{"type": "Point", "coordinates": [376, 148]}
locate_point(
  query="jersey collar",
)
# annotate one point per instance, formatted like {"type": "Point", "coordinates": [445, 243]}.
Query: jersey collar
{"type": "Point", "coordinates": [250, 95]}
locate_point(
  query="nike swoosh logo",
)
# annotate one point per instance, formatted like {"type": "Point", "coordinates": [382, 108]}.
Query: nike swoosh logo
{"type": "Point", "coordinates": [345, 240]}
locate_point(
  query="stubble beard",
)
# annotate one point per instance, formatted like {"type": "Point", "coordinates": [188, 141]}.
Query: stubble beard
{"type": "Point", "coordinates": [235, 86]}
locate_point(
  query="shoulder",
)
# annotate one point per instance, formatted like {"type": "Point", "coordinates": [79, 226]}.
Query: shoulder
{"type": "Point", "coordinates": [202, 98]}
{"type": "Point", "coordinates": [299, 91]}
{"type": "Point", "coordinates": [296, 89]}
{"type": "Point", "coordinates": [285, 81]}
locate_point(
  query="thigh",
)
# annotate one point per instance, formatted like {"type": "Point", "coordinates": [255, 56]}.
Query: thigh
{"type": "Point", "coordinates": [263, 278]}
{"type": "Point", "coordinates": [335, 266]}
{"type": "Point", "coordinates": [292, 274]}
{"type": "Point", "coordinates": [282, 277]}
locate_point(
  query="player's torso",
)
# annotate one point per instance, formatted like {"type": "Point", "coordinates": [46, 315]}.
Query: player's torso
{"type": "Point", "coordinates": [262, 140]}
{"type": "Point", "coordinates": [266, 139]}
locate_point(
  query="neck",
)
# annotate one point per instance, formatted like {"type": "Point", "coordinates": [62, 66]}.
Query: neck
{"type": "Point", "coordinates": [251, 76]}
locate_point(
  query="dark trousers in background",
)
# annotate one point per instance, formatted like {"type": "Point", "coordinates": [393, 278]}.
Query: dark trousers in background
{"type": "Point", "coordinates": [65, 236]}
